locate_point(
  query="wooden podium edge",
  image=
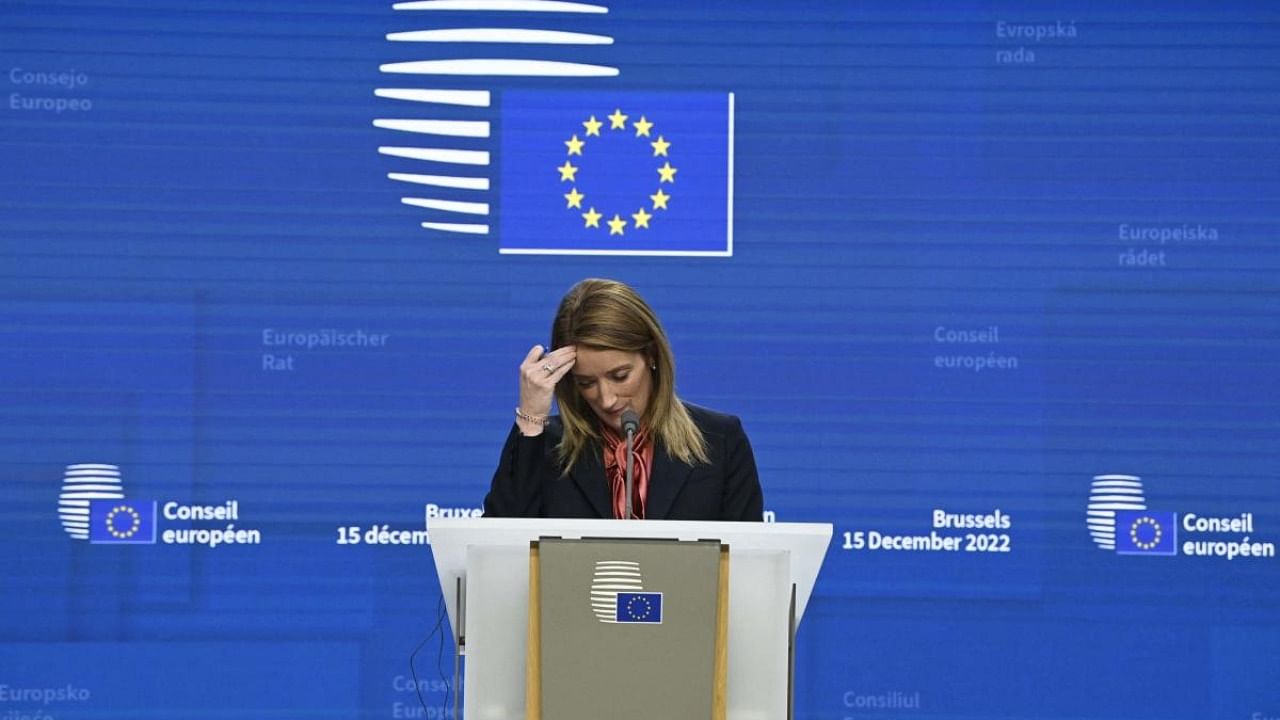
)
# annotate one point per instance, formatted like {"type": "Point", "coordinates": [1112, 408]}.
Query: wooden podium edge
{"type": "Point", "coordinates": [720, 687]}
{"type": "Point", "coordinates": [533, 657]}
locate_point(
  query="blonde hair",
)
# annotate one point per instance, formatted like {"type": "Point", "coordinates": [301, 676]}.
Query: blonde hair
{"type": "Point", "coordinates": [610, 315]}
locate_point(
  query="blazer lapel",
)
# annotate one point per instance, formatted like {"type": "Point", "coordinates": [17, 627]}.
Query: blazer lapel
{"type": "Point", "coordinates": [666, 477]}
{"type": "Point", "coordinates": [588, 473]}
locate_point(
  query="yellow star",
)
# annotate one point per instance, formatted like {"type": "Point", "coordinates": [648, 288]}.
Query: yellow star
{"type": "Point", "coordinates": [616, 225]}
{"type": "Point", "coordinates": [617, 121]}
{"type": "Point", "coordinates": [642, 218]}
{"type": "Point", "coordinates": [642, 126]}
{"type": "Point", "coordinates": [660, 147]}
{"type": "Point", "coordinates": [592, 217]}
{"type": "Point", "coordinates": [575, 145]}
{"type": "Point", "coordinates": [568, 171]}
{"type": "Point", "coordinates": [592, 125]}
{"type": "Point", "coordinates": [666, 173]}
{"type": "Point", "coordinates": [660, 200]}
{"type": "Point", "coordinates": [575, 198]}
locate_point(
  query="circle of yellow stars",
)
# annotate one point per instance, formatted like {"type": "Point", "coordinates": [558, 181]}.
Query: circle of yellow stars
{"type": "Point", "coordinates": [1133, 533]}
{"type": "Point", "coordinates": [576, 199]}
{"type": "Point", "coordinates": [639, 608]}
{"type": "Point", "coordinates": [135, 521]}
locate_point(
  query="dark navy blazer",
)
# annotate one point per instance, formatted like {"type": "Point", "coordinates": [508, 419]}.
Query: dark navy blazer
{"type": "Point", "coordinates": [529, 481]}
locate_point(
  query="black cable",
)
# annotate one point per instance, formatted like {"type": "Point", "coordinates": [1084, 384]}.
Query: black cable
{"type": "Point", "coordinates": [448, 686]}
{"type": "Point", "coordinates": [413, 671]}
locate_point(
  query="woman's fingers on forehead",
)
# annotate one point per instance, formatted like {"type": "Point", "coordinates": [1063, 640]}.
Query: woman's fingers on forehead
{"type": "Point", "coordinates": [563, 370]}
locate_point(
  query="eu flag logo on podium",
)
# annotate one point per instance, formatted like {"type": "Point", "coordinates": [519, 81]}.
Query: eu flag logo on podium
{"type": "Point", "coordinates": [1146, 532]}
{"type": "Point", "coordinates": [639, 607]}
{"type": "Point", "coordinates": [122, 522]}
{"type": "Point", "coordinates": [616, 173]}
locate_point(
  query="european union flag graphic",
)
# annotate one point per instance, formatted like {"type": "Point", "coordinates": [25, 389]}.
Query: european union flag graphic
{"type": "Point", "coordinates": [122, 522]}
{"type": "Point", "coordinates": [621, 173]}
{"type": "Point", "coordinates": [1146, 532]}
{"type": "Point", "coordinates": [643, 607]}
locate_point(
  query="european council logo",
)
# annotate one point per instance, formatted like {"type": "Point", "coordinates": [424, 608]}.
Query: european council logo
{"type": "Point", "coordinates": [122, 522]}
{"type": "Point", "coordinates": [1146, 532]}
{"type": "Point", "coordinates": [571, 168]}
{"type": "Point", "coordinates": [618, 594]}
{"type": "Point", "coordinates": [1119, 520]}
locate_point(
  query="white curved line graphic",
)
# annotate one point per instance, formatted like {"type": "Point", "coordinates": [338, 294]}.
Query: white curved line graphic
{"type": "Point", "coordinates": [457, 206]}
{"type": "Point", "coordinates": [470, 98]}
{"type": "Point", "coordinates": [506, 67]}
{"type": "Point", "coordinates": [503, 5]}
{"type": "Point", "coordinates": [443, 155]}
{"type": "Point", "coordinates": [448, 181]}
{"type": "Point", "coordinates": [464, 228]}
{"type": "Point", "coordinates": [93, 495]}
{"type": "Point", "coordinates": [451, 128]}
{"type": "Point", "coordinates": [501, 35]}
{"type": "Point", "coordinates": [1118, 506]}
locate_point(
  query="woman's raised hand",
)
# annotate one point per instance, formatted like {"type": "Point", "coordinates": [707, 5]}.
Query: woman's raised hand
{"type": "Point", "coordinates": [539, 374]}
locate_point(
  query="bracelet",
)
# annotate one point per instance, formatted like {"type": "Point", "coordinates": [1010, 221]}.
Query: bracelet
{"type": "Point", "coordinates": [537, 419]}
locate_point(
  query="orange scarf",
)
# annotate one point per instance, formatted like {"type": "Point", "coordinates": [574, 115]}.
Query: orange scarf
{"type": "Point", "coordinates": [615, 469]}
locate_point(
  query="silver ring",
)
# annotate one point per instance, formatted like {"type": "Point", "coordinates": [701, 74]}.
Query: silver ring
{"type": "Point", "coordinates": [549, 368]}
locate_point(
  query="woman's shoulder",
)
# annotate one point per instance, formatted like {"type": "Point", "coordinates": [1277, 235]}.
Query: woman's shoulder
{"type": "Point", "coordinates": [709, 419]}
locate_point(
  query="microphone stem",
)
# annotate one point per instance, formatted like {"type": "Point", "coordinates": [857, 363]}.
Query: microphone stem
{"type": "Point", "coordinates": [627, 503]}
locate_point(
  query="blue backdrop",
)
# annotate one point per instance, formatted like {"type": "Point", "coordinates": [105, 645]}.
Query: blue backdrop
{"type": "Point", "coordinates": [992, 285]}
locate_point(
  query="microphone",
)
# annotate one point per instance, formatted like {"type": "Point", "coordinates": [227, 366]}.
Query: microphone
{"type": "Point", "coordinates": [630, 421]}
{"type": "Point", "coordinates": [630, 425]}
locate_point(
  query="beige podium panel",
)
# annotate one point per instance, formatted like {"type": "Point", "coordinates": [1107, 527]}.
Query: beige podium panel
{"type": "Point", "coordinates": [629, 629]}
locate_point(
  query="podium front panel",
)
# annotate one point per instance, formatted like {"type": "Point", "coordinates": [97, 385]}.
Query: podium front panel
{"type": "Point", "coordinates": [628, 628]}
{"type": "Point", "coordinates": [497, 612]}
{"type": "Point", "coordinates": [759, 600]}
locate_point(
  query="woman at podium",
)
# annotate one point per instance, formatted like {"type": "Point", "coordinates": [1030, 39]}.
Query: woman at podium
{"type": "Point", "coordinates": [611, 356]}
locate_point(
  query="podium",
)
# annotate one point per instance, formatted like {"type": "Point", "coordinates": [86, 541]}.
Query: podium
{"type": "Point", "coordinates": [484, 566]}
